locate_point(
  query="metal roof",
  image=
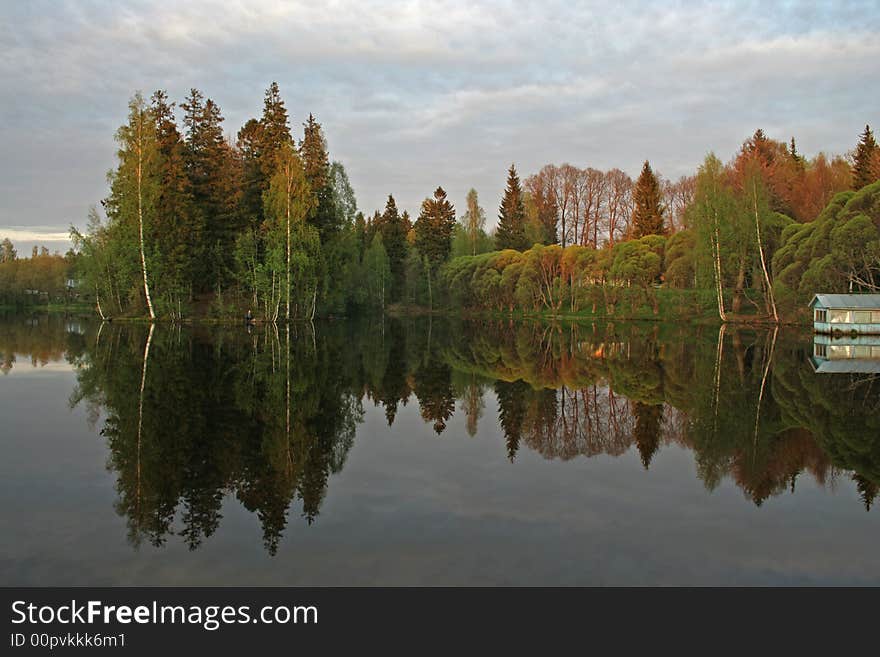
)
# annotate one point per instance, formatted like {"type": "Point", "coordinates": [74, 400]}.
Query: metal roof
{"type": "Point", "coordinates": [847, 301]}
{"type": "Point", "coordinates": [846, 366]}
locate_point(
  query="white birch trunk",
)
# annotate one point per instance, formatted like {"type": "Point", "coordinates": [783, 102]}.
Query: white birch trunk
{"type": "Point", "coordinates": [140, 202]}
{"type": "Point", "coordinates": [767, 283]}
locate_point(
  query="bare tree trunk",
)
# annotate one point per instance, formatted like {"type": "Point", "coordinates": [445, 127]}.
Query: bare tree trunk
{"type": "Point", "coordinates": [768, 285]}
{"type": "Point", "coordinates": [140, 201]}
{"type": "Point", "coordinates": [764, 383]}
{"type": "Point", "coordinates": [98, 302]}
{"type": "Point", "coordinates": [716, 256]}
{"type": "Point", "coordinates": [740, 285]}
{"type": "Point", "coordinates": [141, 408]}
{"type": "Point", "coordinates": [289, 184]}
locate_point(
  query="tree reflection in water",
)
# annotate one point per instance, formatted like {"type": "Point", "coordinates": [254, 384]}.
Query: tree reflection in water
{"type": "Point", "coordinates": [192, 415]}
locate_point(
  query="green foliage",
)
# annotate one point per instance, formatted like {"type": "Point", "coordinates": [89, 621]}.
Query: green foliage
{"type": "Point", "coordinates": [433, 229]}
{"type": "Point", "coordinates": [647, 218]}
{"type": "Point", "coordinates": [510, 232]}
{"type": "Point", "coordinates": [839, 252]}
{"type": "Point", "coordinates": [866, 160]}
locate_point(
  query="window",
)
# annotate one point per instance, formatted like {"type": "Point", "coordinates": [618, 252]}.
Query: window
{"type": "Point", "coordinates": [861, 316]}
{"type": "Point", "coordinates": [819, 350]}
{"type": "Point", "coordinates": [839, 316]}
{"type": "Point", "coordinates": [875, 316]}
{"type": "Point", "coordinates": [822, 315]}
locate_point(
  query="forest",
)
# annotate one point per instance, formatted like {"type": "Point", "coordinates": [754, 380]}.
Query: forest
{"type": "Point", "coordinates": [197, 225]}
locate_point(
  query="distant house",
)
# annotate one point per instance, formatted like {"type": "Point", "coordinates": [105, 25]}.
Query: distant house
{"type": "Point", "coordinates": [846, 313]}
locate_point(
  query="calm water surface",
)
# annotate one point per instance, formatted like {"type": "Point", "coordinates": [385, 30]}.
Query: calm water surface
{"type": "Point", "coordinates": [431, 452]}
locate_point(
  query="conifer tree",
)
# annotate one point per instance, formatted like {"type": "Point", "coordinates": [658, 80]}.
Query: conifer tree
{"type": "Point", "coordinates": [647, 205]}
{"type": "Point", "coordinates": [433, 233]}
{"type": "Point", "coordinates": [866, 161]}
{"type": "Point", "coordinates": [209, 160]}
{"type": "Point", "coordinates": [316, 162]}
{"type": "Point", "coordinates": [248, 143]}
{"type": "Point", "coordinates": [510, 233]}
{"type": "Point", "coordinates": [434, 227]}
{"type": "Point", "coordinates": [176, 229]}
{"type": "Point", "coordinates": [391, 226]}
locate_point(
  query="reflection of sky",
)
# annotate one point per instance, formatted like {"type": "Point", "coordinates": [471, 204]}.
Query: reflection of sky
{"type": "Point", "coordinates": [24, 366]}
{"type": "Point", "coordinates": [447, 92]}
{"type": "Point", "coordinates": [410, 507]}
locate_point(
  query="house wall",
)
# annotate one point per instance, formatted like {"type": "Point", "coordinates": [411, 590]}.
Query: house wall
{"type": "Point", "coordinates": [839, 319]}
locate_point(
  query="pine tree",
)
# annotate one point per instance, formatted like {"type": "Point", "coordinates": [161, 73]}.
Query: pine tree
{"type": "Point", "coordinates": [393, 230]}
{"type": "Point", "coordinates": [316, 161]}
{"type": "Point", "coordinates": [866, 161]}
{"type": "Point", "coordinates": [510, 233]}
{"type": "Point", "coordinates": [647, 205]}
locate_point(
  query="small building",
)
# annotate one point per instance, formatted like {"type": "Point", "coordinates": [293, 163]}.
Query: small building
{"type": "Point", "coordinates": [847, 354]}
{"type": "Point", "coordinates": [846, 313]}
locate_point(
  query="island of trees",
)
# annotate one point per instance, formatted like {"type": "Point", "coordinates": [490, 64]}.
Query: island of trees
{"type": "Point", "coordinates": [196, 226]}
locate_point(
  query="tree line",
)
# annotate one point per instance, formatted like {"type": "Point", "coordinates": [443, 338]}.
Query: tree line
{"type": "Point", "coordinates": [41, 279]}
{"type": "Point", "coordinates": [193, 414]}
{"type": "Point", "coordinates": [761, 233]}
{"type": "Point", "coordinates": [197, 225]}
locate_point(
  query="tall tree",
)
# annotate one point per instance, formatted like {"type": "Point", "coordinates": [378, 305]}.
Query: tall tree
{"type": "Point", "coordinates": [510, 233]}
{"type": "Point", "coordinates": [177, 228]}
{"type": "Point", "coordinates": [474, 219]}
{"type": "Point", "coordinates": [134, 186]}
{"type": "Point", "coordinates": [274, 129]}
{"type": "Point", "coordinates": [7, 250]}
{"type": "Point", "coordinates": [433, 233]}
{"type": "Point", "coordinates": [647, 205]}
{"type": "Point", "coordinates": [344, 200]}
{"type": "Point", "coordinates": [316, 163]}
{"type": "Point", "coordinates": [393, 228]}
{"type": "Point", "coordinates": [288, 202]}
{"type": "Point", "coordinates": [209, 161]}
{"type": "Point", "coordinates": [866, 160]}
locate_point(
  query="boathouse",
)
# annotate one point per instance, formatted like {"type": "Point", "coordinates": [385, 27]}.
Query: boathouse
{"type": "Point", "coordinates": [846, 313]}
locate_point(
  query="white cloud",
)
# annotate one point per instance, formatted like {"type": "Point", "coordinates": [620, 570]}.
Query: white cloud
{"type": "Point", "coordinates": [412, 94]}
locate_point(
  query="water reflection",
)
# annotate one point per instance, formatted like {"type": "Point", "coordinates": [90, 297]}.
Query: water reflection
{"type": "Point", "coordinates": [192, 415]}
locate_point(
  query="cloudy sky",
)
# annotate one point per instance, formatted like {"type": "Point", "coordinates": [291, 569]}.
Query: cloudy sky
{"type": "Point", "coordinates": [416, 94]}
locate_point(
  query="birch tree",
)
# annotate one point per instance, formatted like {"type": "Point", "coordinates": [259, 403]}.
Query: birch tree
{"type": "Point", "coordinates": [287, 204]}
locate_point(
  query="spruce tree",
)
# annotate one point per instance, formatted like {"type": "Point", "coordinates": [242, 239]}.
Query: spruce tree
{"type": "Point", "coordinates": [647, 216]}
{"type": "Point", "coordinates": [391, 226]}
{"type": "Point", "coordinates": [316, 161]}
{"type": "Point", "coordinates": [209, 160]}
{"type": "Point", "coordinates": [274, 129]}
{"type": "Point", "coordinates": [249, 146]}
{"type": "Point", "coordinates": [511, 233]}
{"type": "Point", "coordinates": [176, 229]}
{"type": "Point", "coordinates": [866, 161]}
{"type": "Point", "coordinates": [433, 229]}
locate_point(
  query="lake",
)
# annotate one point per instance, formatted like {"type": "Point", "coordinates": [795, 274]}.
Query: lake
{"type": "Point", "coordinates": [431, 451]}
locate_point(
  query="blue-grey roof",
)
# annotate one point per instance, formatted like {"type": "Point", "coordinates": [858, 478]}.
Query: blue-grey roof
{"type": "Point", "coordinates": [847, 366]}
{"type": "Point", "coordinates": [847, 301]}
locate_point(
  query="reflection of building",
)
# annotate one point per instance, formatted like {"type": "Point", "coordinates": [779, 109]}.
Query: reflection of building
{"type": "Point", "coordinates": [846, 313]}
{"type": "Point", "coordinates": [846, 355]}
